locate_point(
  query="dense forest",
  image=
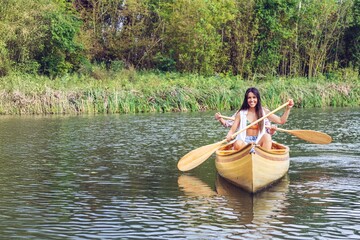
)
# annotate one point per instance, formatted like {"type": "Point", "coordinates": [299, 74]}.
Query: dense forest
{"type": "Point", "coordinates": [246, 38]}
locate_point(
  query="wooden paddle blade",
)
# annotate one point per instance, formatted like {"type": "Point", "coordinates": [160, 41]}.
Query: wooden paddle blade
{"type": "Point", "coordinates": [197, 156]}
{"type": "Point", "coordinates": [311, 136]}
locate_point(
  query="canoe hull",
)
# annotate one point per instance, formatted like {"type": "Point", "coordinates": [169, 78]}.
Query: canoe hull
{"type": "Point", "coordinates": [253, 171]}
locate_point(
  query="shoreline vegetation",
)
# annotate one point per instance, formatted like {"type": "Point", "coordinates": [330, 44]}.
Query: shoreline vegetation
{"type": "Point", "coordinates": [139, 56]}
{"type": "Point", "coordinates": [131, 91]}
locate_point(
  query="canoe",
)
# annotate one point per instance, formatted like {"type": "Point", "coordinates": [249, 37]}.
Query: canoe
{"type": "Point", "coordinates": [253, 170]}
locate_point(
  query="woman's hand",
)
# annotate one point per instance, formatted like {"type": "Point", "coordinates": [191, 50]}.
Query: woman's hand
{"type": "Point", "coordinates": [229, 137]}
{"type": "Point", "coordinates": [291, 103]}
{"type": "Point", "coordinates": [272, 129]}
{"type": "Point", "coordinates": [217, 116]}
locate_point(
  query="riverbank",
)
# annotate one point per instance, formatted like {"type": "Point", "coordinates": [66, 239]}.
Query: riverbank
{"type": "Point", "coordinates": [129, 91]}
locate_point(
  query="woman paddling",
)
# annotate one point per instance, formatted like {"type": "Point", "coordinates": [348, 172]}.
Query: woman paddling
{"type": "Point", "coordinates": [250, 111]}
{"type": "Point", "coordinates": [270, 129]}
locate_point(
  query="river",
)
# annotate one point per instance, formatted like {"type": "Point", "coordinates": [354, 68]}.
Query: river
{"type": "Point", "coordinates": [115, 177]}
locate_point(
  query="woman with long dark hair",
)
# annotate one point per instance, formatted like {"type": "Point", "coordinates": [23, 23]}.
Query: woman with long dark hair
{"type": "Point", "coordinates": [250, 111]}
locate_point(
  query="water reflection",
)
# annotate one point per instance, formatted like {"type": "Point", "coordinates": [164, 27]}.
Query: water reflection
{"type": "Point", "coordinates": [260, 208]}
{"type": "Point", "coordinates": [194, 187]}
{"type": "Point", "coordinates": [115, 177]}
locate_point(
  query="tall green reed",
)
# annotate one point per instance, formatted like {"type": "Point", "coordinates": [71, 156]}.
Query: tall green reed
{"type": "Point", "coordinates": [137, 92]}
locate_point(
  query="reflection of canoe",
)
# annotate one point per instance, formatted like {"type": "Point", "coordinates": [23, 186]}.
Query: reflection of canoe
{"type": "Point", "coordinates": [248, 208]}
{"type": "Point", "coordinates": [253, 171]}
{"type": "Point", "coordinates": [254, 208]}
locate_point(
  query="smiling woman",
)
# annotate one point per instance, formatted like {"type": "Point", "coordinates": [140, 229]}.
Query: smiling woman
{"type": "Point", "coordinates": [250, 111]}
{"type": "Point", "coordinates": [197, 156]}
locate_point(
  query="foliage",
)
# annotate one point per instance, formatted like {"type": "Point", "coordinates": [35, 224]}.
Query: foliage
{"type": "Point", "coordinates": [252, 39]}
{"type": "Point", "coordinates": [193, 31]}
{"type": "Point", "coordinates": [118, 30]}
{"type": "Point", "coordinates": [21, 32]}
{"type": "Point", "coordinates": [240, 36]}
{"type": "Point", "coordinates": [319, 37]}
{"type": "Point", "coordinates": [276, 26]}
{"type": "Point", "coordinates": [129, 91]}
{"type": "Point", "coordinates": [351, 42]}
{"type": "Point", "coordinates": [60, 54]}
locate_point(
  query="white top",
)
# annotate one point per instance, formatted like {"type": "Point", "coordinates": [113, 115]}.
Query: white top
{"type": "Point", "coordinates": [242, 125]}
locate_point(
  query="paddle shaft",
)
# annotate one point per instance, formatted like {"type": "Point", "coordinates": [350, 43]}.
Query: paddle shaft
{"type": "Point", "coordinates": [307, 135]}
{"type": "Point", "coordinates": [277, 129]}
{"type": "Point", "coordinates": [232, 118]}
{"type": "Point", "coordinates": [260, 119]}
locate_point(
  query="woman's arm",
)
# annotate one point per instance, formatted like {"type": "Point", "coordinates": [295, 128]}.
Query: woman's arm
{"type": "Point", "coordinates": [234, 127]}
{"type": "Point", "coordinates": [225, 123]}
{"type": "Point", "coordinates": [281, 120]}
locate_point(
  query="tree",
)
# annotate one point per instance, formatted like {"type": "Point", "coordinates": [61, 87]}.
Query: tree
{"type": "Point", "coordinates": [119, 30]}
{"type": "Point", "coordinates": [61, 52]}
{"type": "Point", "coordinates": [38, 36]}
{"type": "Point", "coordinates": [240, 38]}
{"type": "Point", "coordinates": [21, 35]}
{"type": "Point", "coordinates": [351, 41]}
{"type": "Point", "coordinates": [322, 24]}
{"type": "Point", "coordinates": [276, 20]}
{"type": "Point", "coordinates": [193, 33]}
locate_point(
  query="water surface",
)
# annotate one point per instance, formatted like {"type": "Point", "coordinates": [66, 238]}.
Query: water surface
{"type": "Point", "coordinates": [115, 177]}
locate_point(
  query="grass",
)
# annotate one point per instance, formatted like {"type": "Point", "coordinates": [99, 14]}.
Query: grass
{"type": "Point", "coordinates": [129, 91]}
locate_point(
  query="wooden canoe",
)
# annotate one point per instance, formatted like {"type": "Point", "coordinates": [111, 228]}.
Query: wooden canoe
{"type": "Point", "coordinates": [252, 171]}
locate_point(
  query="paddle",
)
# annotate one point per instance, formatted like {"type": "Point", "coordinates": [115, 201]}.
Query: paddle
{"type": "Point", "coordinates": [307, 135]}
{"type": "Point", "coordinates": [197, 156]}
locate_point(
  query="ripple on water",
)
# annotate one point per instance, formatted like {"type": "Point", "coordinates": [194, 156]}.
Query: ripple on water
{"type": "Point", "coordinates": [115, 177]}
